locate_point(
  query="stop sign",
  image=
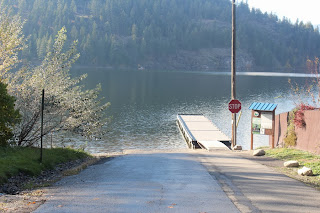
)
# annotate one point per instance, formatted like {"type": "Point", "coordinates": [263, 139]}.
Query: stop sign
{"type": "Point", "coordinates": [234, 106]}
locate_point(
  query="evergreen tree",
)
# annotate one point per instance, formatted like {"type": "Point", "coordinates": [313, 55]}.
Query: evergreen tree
{"type": "Point", "coordinates": [167, 27]}
{"type": "Point", "coordinates": [9, 115]}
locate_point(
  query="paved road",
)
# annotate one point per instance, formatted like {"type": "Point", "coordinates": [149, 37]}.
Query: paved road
{"type": "Point", "coordinates": [141, 182]}
{"type": "Point", "coordinates": [257, 188]}
{"type": "Point", "coordinates": [186, 181]}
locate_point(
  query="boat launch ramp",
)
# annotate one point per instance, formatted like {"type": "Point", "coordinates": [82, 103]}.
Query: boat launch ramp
{"type": "Point", "coordinates": [200, 132]}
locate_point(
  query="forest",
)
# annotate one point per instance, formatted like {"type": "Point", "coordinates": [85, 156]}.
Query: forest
{"type": "Point", "coordinates": [127, 33]}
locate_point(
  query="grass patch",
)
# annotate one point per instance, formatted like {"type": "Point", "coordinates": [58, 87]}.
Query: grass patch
{"type": "Point", "coordinates": [27, 160]}
{"type": "Point", "coordinates": [304, 158]}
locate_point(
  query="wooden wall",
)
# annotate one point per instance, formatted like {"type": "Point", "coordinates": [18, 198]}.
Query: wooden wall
{"type": "Point", "coordinates": [308, 138]}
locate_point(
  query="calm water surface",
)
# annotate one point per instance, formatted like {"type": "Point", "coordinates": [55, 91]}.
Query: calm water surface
{"type": "Point", "coordinates": [144, 105]}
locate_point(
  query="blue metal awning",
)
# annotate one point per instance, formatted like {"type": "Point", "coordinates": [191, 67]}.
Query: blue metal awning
{"type": "Point", "coordinates": [263, 106]}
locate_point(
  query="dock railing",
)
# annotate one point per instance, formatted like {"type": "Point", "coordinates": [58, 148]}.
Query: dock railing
{"type": "Point", "coordinates": [191, 140]}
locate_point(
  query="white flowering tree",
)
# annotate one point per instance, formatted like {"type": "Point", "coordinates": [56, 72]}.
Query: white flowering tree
{"type": "Point", "coordinates": [68, 106]}
{"type": "Point", "coordinates": [12, 41]}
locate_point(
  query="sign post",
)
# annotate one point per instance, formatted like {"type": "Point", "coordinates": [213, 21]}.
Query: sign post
{"type": "Point", "coordinates": [234, 107]}
{"type": "Point", "coordinates": [263, 120]}
{"type": "Point", "coordinates": [233, 72]}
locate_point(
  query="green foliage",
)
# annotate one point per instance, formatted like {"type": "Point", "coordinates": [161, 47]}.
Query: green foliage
{"type": "Point", "coordinates": [26, 160]}
{"type": "Point", "coordinates": [315, 166]}
{"type": "Point", "coordinates": [304, 158]}
{"type": "Point", "coordinates": [290, 154]}
{"type": "Point", "coordinates": [291, 138]}
{"type": "Point", "coordinates": [9, 116]}
{"type": "Point", "coordinates": [129, 32]}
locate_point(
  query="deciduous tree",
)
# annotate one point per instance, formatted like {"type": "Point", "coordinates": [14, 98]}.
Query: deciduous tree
{"type": "Point", "coordinates": [9, 115]}
{"type": "Point", "coordinates": [68, 106]}
{"type": "Point", "coordinates": [12, 40]}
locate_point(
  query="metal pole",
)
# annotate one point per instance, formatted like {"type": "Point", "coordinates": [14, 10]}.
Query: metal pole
{"type": "Point", "coordinates": [233, 73]}
{"type": "Point", "coordinates": [42, 108]}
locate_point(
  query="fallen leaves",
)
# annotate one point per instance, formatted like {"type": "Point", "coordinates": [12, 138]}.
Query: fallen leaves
{"type": "Point", "coordinates": [33, 193]}
{"type": "Point", "coordinates": [25, 202]}
{"type": "Point", "coordinates": [31, 203]}
{"type": "Point", "coordinates": [172, 206]}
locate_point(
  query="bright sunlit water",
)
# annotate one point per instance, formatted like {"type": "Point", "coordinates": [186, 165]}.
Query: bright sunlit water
{"type": "Point", "coordinates": [144, 105]}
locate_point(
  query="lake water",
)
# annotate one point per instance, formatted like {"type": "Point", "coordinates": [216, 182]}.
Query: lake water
{"type": "Point", "coordinates": [144, 105]}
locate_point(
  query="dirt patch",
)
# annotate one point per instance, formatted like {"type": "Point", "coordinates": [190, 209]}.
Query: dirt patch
{"type": "Point", "coordinates": [23, 202]}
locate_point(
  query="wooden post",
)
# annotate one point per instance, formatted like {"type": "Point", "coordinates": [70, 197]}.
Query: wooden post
{"type": "Point", "coordinates": [51, 141]}
{"type": "Point", "coordinates": [234, 129]}
{"type": "Point", "coordinates": [233, 73]}
{"type": "Point", "coordinates": [252, 113]}
{"type": "Point", "coordinates": [273, 128]}
{"type": "Point", "coordinates": [42, 108]}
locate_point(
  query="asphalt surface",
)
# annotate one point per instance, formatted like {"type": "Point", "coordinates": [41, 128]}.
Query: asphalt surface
{"type": "Point", "coordinates": [141, 182]}
{"type": "Point", "coordinates": [254, 187]}
{"type": "Point", "coordinates": [181, 181]}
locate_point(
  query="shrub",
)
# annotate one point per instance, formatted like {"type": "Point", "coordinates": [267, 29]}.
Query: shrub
{"type": "Point", "coordinates": [299, 115]}
{"type": "Point", "coordinates": [8, 115]}
{"type": "Point", "coordinates": [291, 138]}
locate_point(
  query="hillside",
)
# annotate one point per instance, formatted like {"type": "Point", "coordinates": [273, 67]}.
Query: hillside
{"type": "Point", "coordinates": [167, 34]}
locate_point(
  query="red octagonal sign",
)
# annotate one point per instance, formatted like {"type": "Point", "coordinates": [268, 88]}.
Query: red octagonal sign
{"type": "Point", "coordinates": [234, 106]}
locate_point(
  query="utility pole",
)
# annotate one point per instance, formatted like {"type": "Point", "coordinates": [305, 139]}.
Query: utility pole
{"type": "Point", "coordinates": [233, 73]}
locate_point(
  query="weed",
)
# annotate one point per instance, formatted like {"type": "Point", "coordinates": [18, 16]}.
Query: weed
{"type": "Point", "coordinates": [291, 138]}
{"type": "Point", "coordinates": [304, 158]}
{"type": "Point", "coordinates": [26, 160]}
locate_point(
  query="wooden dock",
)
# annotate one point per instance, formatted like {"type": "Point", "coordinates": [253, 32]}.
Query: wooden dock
{"type": "Point", "coordinates": [200, 132]}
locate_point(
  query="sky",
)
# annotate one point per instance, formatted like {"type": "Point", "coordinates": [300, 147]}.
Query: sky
{"type": "Point", "coordinates": [304, 10]}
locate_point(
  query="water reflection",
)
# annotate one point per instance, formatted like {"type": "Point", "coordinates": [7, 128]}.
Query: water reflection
{"type": "Point", "coordinates": [144, 105]}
